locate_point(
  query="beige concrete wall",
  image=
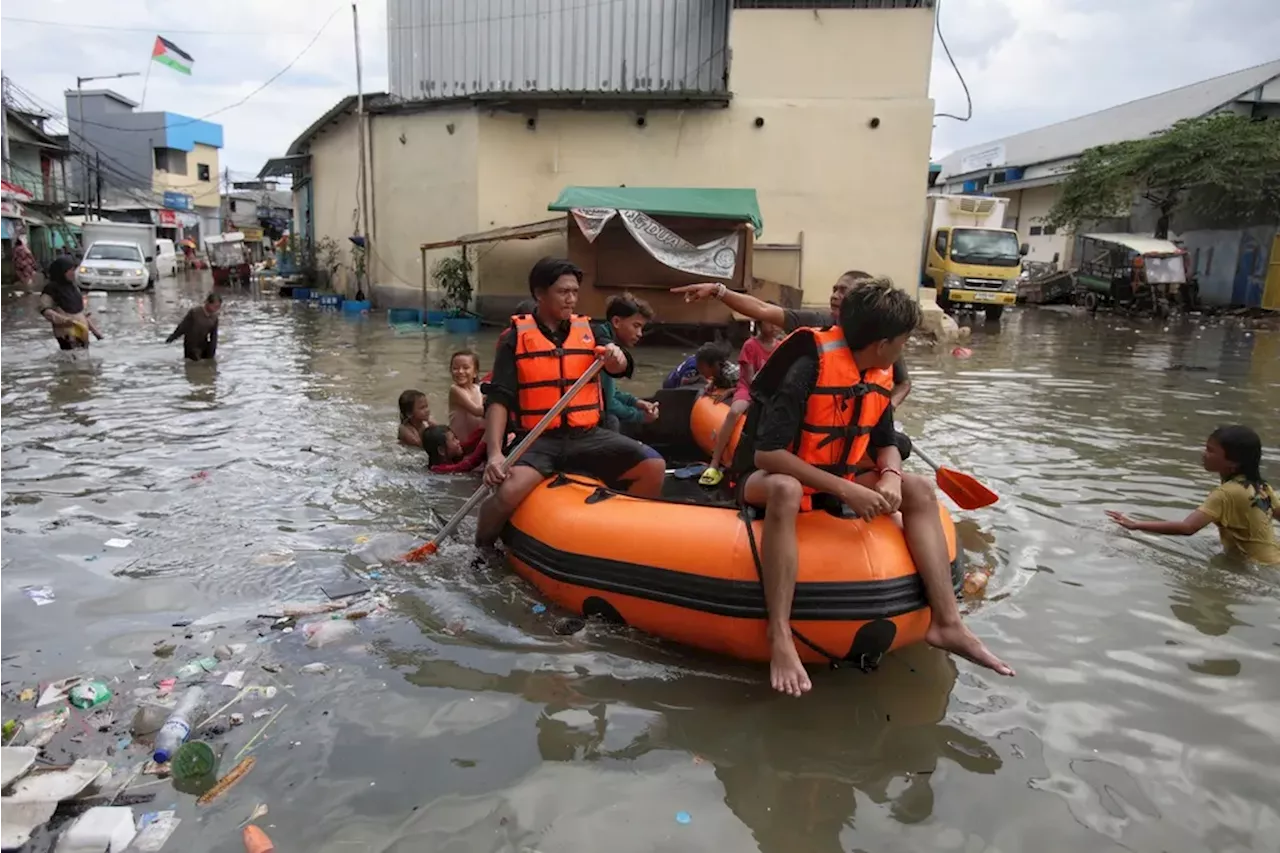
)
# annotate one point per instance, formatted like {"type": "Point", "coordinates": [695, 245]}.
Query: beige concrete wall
{"type": "Point", "coordinates": [817, 80]}
{"type": "Point", "coordinates": [1031, 206]}
{"type": "Point", "coordinates": [334, 162]}
{"type": "Point", "coordinates": [203, 193]}
{"type": "Point", "coordinates": [424, 179]}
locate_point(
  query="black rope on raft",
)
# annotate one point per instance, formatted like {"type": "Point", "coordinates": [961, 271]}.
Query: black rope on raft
{"type": "Point", "coordinates": [745, 513]}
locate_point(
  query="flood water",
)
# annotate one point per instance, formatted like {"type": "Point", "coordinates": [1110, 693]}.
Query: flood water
{"type": "Point", "coordinates": [1144, 716]}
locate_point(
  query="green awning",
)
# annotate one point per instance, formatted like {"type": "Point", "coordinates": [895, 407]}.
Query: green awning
{"type": "Point", "coordinates": [738, 205]}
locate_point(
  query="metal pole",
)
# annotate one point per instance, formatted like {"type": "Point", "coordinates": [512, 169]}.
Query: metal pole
{"type": "Point", "coordinates": [4, 97]}
{"type": "Point", "coordinates": [423, 253]}
{"type": "Point", "coordinates": [84, 152]}
{"type": "Point", "coordinates": [363, 200]}
{"type": "Point", "coordinates": [97, 174]}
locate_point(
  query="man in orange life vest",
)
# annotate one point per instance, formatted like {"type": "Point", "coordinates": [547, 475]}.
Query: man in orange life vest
{"type": "Point", "coordinates": [538, 358]}
{"type": "Point", "coordinates": [823, 400]}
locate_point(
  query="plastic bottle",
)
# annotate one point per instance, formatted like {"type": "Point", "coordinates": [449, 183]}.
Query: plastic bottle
{"type": "Point", "coordinates": [177, 728]}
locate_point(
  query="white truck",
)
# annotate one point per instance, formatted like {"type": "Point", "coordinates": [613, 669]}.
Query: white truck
{"type": "Point", "coordinates": [110, 262]}
{"type": "Point", "coordinates": [969, 257]}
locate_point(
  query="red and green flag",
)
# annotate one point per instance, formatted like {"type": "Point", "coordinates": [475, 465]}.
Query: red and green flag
{"type": "Point", "coordinates": [167, 53]}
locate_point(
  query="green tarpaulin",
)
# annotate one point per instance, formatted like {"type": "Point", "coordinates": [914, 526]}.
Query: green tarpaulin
{"type": "Point", "coordinates": [737, 205]}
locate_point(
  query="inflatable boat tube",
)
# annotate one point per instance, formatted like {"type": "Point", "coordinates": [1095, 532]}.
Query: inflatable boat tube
{"type": "Point", "coordinates": [705, 421]}
{"type": "Point", "coordinates": [686, 572]}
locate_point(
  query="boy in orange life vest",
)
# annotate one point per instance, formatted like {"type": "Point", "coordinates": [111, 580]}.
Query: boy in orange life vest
{"type": "Point", "coordinates": [537, 360]}
{"type": "Point", "coordinates": [805, 403]}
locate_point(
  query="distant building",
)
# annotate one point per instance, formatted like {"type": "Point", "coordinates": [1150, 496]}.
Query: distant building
{"type": "Point", "coordinates": [1028, 168]}
{"type": "Point", "coordinates": [35, 197]}
{"type": "Point", "coordinates": [158, 167]}
{"type": "Point", "coordinates": [260, 211]}
{"type": "Point", "coordinates": [824, 110]}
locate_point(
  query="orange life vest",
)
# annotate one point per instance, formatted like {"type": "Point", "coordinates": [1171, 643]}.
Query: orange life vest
{"type": "Point", "coordinates": [545, 371]}
{"type": "Point", "coordinates": [843, 408]}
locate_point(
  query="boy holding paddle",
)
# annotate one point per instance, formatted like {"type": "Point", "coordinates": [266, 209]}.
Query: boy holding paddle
{"type": "Point", "coordinates": [822, 402]}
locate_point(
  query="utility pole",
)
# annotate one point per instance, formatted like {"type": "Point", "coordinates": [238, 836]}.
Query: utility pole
{"type": "Point", "coordinates": [98, 174]}
{"type": "Point", "coordinates": [228, 224]}
{"type": "Point", "coordinates": [363, 200]}
{"type": "Point", "coordinates": [4, 99]}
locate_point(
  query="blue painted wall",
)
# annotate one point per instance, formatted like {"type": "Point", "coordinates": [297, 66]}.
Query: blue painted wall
{"type": "Point", "coordinates": [183, 132]}
{"type": "Point", "coordinates": [1231, 264]}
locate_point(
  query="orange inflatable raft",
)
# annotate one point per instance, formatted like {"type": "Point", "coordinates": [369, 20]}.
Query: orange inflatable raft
{"type": "Point", "coordinates": [687, 572]}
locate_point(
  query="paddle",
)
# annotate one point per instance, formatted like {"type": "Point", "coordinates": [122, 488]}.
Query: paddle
{"type": "Point", "coordinates": [967, 492]}
{"type": "Point", "coordinates": [424, 551]}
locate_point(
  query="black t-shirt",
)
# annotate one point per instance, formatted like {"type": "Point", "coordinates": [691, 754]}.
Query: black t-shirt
{"type": "Point", "coordinates": [503, 385]}
{"type": "Point", "coordinates": [783, 412]}
{"type": "Point", "coordinates": [801, 318]}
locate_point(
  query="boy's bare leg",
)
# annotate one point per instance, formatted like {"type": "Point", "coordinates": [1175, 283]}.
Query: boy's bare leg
{"type": "Point", "coordinates": [497, 510]}
{"type": "Point", "coordinates": [928, 546]}
{"type": "Point", "coordinates": [780, 495]}
{"type": "Point", "coordinates": [726, 430]}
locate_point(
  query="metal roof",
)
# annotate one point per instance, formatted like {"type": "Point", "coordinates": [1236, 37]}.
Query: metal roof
{"type": "Point", "coordinates": [1143, 244]}
{"type": "Point", "coordinates": [1132, 120]}
{"type": "Point", "coordinates": [526, 231]}
{"type": "Point", "coordinates": [739, 205]}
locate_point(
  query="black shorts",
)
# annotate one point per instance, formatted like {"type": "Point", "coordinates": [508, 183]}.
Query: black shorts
{"type": "Point", "coordinates": [598, 453]}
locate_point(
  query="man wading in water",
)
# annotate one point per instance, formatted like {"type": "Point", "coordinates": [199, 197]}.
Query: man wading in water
{"type": "Point", "coordinates": [199, 330]}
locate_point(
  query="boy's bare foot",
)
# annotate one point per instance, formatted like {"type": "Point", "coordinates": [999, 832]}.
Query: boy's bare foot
{"type": "Point", "coordinates": [959, 640]}
{"type": "Point", "coordinates": [786, 672]}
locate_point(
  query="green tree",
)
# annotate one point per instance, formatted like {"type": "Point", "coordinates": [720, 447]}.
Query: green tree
{"type": "Point", "coordinates": [1224, 167]}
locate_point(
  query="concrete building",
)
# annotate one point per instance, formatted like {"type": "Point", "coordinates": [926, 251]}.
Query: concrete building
{"type": "Point", "coordinates": [822, 107]}
{"type": "Point", "coordinates": [160, 166]}
{"type": "Point", "coordinates": [35, 177]}
{"type": "Point", "coordinates": [1029, 167]}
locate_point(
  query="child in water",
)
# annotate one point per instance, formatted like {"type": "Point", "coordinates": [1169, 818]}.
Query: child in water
{"type": "Point", "coordinates": [466, 402]}
{"type": "Point", "coordinates": [447, 455]}
{"type": "Point", "coordinates": [415, 416]}
{"type": "Point", "coordinates": [710, 364]}
{"type": "Point", "coordinates": [1242, 506]}
{"type": "Point", "coordinates": [752, 357]}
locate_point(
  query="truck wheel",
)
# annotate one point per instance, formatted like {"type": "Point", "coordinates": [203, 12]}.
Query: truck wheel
{"type": "Point", "coordinates": [994, 312]}
{"type": "Point", "coordinates": [945, 304]}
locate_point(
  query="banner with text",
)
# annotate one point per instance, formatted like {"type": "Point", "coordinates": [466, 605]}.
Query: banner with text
{"type": "Point", "coordinates": [715, 259]}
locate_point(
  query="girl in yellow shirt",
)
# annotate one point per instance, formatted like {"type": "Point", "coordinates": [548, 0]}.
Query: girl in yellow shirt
{"type": "Point", "coordinates": [1242, 506]}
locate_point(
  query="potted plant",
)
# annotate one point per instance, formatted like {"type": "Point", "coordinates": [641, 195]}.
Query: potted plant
{"type": "Point", "coordinates": [453, 275]}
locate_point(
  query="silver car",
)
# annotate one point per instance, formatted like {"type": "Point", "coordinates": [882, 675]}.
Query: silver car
{"type": "Point", "coordinates": [113, 265]}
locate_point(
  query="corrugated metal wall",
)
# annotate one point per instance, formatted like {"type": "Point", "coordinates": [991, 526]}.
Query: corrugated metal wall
{"type": "Point", "coordinates": [452, 48]}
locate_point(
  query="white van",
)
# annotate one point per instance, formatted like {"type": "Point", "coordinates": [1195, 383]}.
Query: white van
{"type": "Point", "coordinates": [166, 257]}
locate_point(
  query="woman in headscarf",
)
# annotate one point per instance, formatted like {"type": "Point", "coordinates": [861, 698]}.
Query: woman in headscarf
{"type": "Point", "coordinates": [62, 304]}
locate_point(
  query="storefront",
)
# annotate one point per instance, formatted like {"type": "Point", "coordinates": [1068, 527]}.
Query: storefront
{"type": "Point", "coordinates": [14, 229]}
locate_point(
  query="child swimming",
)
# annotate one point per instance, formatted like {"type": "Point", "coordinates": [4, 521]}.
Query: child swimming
{"type": "Point", "coordinates": [447, 455]}
{"type": "Point", "coordinates": [1242, 506]}
{"type": "Point", "coordinates": [710, 364]}
{"type": "Point", "coordinates": [415, 416]}
{"type": "Point", "coordinates": [466, 402]}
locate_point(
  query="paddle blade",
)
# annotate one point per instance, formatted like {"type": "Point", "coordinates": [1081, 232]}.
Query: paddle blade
{"type": "Point", "coordinates": [420, 553]}
{"type": "Point", "coordinates": [967, 492]}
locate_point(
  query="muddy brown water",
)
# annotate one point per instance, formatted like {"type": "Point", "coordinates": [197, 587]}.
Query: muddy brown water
{"type": "Point", "coordinates": [1144, 715]}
